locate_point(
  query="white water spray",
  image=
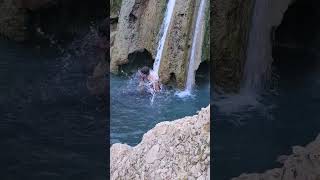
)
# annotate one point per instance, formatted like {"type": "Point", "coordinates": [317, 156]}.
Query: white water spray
{"type": "Point", "coordinates": [266, 15]}
{"type": "Point", "coordinates": [163, 34]}
{"type": "Point", "coordinates": [195, 49]}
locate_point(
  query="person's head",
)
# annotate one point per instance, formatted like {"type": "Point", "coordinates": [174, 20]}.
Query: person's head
{"type": "Point", "coordinates": [145, 70]}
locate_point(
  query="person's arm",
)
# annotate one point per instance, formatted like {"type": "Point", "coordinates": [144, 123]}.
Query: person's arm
{"type": "Point", "coordinates": [156, 86]}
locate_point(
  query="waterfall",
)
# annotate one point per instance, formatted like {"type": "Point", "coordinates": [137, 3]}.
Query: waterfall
{"type": "Point", "coordinates": [196, 48]}
{"type": "Point", "coordinates": [163, 34]}
{"type": "Point", "coordinates": [258, 63]}
{"type": "Point", "coordinates": [266, 15]}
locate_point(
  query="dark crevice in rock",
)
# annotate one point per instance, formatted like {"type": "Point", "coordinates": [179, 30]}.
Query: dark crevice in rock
{"type": "Point", "coordinates": [203, 72]}
{"type": "Point", "coordinates": [173, 80]}
{"type": "Point", "coordinates": [297, 39]}
{"type": "Point", "coordinates": [137, 60]}
{"type": "Point", "coordinates": [299, 28]}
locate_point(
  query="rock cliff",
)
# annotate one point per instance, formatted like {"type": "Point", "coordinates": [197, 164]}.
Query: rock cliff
{"type": "Point", "coordinates": [232, 24]}
{"type": "Point", "coordinates": [172, 150]}
{"type": "Point", "coordinates": [303, 164]}
{"type": "Point", "coordinates": [138, 29]}
{"type": "Point", "coordinates": [176, 55]}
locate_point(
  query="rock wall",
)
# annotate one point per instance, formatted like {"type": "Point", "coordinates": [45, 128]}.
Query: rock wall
{"type": "Point", "coordinates": [137, 29]}
{"type": "Point", "coordinates": [12, 20]}
{"type": "Point", "coordinates": [172, 150]}
{"type": "Point", "coordinates": [303, 164]}
{"type": "Point", "coordinates": [138, 26]}
{"type": "Point", "coordinates": [15, 17]}
{"type": "Point", "coordinates": [231, 26]}
{"type": "Point", "coordinates": [175, 56]}
{"type": "Point", "coordinates": [29, 19]}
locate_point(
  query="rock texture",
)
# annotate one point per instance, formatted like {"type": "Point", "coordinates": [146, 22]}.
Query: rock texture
{"type": "Point", "coordinates": [12, 20]}
{"type": "Point", "coordinates": [172, 150]}
{"type": "Point", "coordinates": [303, 164]}
{"type": "Point", "coordinates": [176, 54]}
{"type": "Point", "coordinates": [15, 17]}
{"type": "Point", "coordinates": [138, 27]}
{"type": "Point", "coordinates": [30, 19]}
{"type": "Point", "coordinates": [230, 24]}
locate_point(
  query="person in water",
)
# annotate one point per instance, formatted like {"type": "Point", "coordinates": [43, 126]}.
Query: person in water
{"type": "Point", "coordinates": [150, 78]}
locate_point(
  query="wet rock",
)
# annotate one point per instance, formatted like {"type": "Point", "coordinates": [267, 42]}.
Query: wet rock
{"type": "Point", "coordinates": [137, 29]}
{"type": "Point", "coordinates": [165, 155]}
{"type": "Point", "coordinates": [178, 45]}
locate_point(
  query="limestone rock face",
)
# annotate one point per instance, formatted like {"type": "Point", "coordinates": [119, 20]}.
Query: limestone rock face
{"type": "Point", "coordinates": [172, 150]}
{"type": "Point", "coordinates": [303, 164]}
{"type": "Point", "coordinates": [178, 43]}
{"type": "Point", "coordinates": [138, 29]}
{"type": "Point", "coordinates": [138, 26]}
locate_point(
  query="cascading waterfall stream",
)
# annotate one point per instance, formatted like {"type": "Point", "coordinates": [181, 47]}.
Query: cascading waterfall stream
{"type": "Point", "coordinates": [195, 49]}
{"type": "Point", "coordinates": [258, 63]}
{"type": "Point", "coordinates": [163, 34]}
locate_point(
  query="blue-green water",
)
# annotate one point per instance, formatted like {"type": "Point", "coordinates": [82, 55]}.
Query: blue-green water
{"type": "Point", "coordinates": [133, 113]}
{"type": "Point", "coordinates": [51, 127]}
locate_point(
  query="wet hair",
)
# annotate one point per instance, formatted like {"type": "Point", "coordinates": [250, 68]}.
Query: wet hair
{"type": "Point", "coordinates": [145, 70]}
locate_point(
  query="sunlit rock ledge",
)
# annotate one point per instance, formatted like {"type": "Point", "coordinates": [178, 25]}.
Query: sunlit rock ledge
{"type": "Point", "coordinates": [178, 149]}
{"type": "Point", "coordinates": [303, 164]}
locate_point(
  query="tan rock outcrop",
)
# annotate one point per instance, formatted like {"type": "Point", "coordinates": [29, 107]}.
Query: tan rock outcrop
{"type": "Point", "coordinates": [138, 27]}
{"type": "Point", "coordinates": [172, 150]}
{"type": "Point", "coordinates": [178, 45]}
{"type": "Point", "coordinates": [303, 164]}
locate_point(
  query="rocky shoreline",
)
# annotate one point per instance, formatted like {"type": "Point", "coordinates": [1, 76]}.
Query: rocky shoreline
{"type": "Point", "coordinates": [178, 149]}
{"type": "Point", "coordinates": [302, 164]}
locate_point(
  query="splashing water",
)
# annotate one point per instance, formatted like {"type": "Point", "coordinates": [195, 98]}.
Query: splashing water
{"type": "Point", "coordinates": [163, 34]}
{"type": "Point", "coordinates": [132, 115]}
{"type": "Point", "coordinates": [195, 50]}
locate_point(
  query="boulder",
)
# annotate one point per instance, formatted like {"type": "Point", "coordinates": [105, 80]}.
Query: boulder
{"type": "Point", "coordinates": [302, 164]}
{"type": "Point", "coordinates": [178, 149]}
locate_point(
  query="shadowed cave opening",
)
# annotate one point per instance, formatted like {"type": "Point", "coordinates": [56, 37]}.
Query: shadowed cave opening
{"type": "Point", "coordinates": [296, 47]}
{"type": "Point", "coordinates": [137, 60]}
{"type": "Point", "coordinates": [296, 42]}
{"type": "Point", "coordinates": [202, 74]}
